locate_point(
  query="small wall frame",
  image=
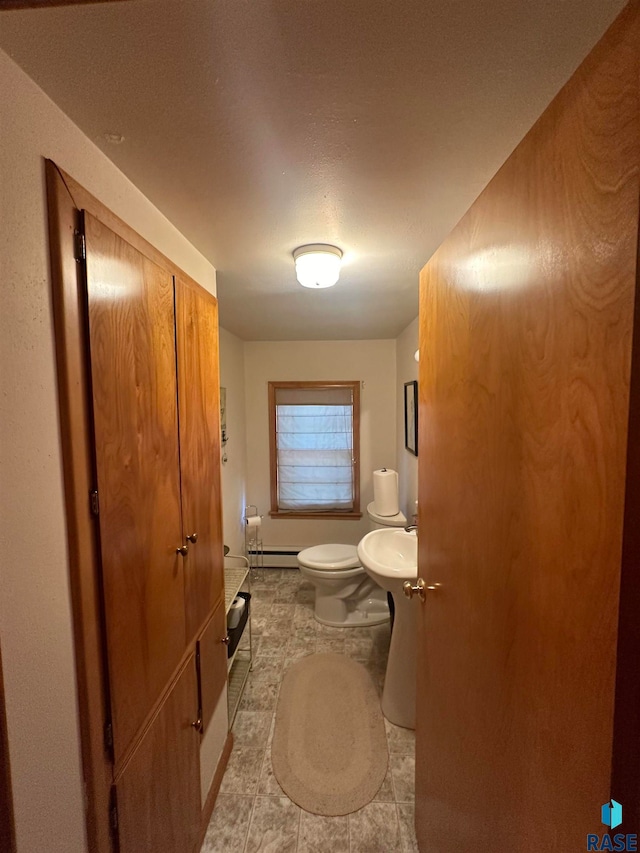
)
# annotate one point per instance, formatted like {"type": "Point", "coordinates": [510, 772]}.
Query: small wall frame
{"type": "Point", "coordinates": [411, 417]}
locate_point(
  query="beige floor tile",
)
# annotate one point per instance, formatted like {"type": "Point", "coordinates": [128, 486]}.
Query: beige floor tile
{"type": "Point", "coordinates": [303, 615]}
{"type": "Point", "coordinates": [274, 826]}
{"type": "Point", "coordinates": [386, 793]}
{"type": "Point", "coordinates": [403, 770]}
{"type": "Point", "coordinates": [359, 647]}
{"type": "Point", "coordinates": [333, 645]}
{"type": "Point", "coordinates": [251, 728]}
{"type": "Point", "coordinates": [305, 630]}
{"type": "Point", "coordinates": [305, 594]}
{"type": "Point", "coordinates": [319, 834]}
{"type": "Point", "coordinates": [268, 784]}
{"type": "Point", "coordinates": [278, 626]}
{"type": "Point", "coordinates": [406, 817]}
{"type": "Point", "coordinates": [270, 646]}
{"type": "Point", "coordinates": [296, 656]}
{"type": "Point", "coordinates": [283, 611]}
{"type": "Point", "coordinates": [229, 825]}
{"type": "Point", "coordinates": [399, 739]}
{"type": "Point", "coordinates": [243, 771]}
{"type": "Point", "coordinates": [375, 829]}
{"type": "Point", "coordinates": [260, 695]}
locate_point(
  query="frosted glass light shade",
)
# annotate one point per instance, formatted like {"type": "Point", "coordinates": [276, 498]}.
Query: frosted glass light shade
{"type": "Point", "coordinates": [317, 265]}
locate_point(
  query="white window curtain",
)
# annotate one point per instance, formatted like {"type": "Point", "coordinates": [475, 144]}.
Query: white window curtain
{"type": "Point", "coordinates": [314, 445]}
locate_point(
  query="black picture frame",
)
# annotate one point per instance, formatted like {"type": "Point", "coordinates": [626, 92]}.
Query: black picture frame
{"type": "Point", "coordinates": [411, 417]}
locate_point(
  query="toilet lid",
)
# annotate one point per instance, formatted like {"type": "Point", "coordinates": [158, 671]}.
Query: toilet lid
{"type": "Point", "coordinates": [332, 558]}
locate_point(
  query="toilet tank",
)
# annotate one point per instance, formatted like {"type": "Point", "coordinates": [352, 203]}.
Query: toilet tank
{"type": "Point", "coordinates": [377, 521]}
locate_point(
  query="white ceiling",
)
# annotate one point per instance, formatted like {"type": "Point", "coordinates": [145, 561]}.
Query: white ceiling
{"type": "Point", "coordinates": [260, 125]}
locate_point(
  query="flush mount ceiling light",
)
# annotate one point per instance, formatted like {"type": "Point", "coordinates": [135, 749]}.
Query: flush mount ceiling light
{"type": "Point", "coordinates": [317, 265]}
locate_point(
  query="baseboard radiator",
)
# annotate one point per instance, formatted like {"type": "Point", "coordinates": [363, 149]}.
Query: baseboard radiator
{"type": "Point", "coordinates": [277, 557]}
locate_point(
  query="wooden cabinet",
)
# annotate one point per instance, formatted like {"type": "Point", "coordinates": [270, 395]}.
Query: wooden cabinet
{"type": "Point", "coordinates": [135, 419]}
{"type": "Point", "coordinates": [158, 791]}
{"type": "Point", "coordinates": [199, 407]}
{"type": "Point", "coordinates": [153, 353]}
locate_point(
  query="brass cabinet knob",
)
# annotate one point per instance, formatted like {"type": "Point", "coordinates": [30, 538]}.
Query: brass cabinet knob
{"type": "Point", "coordinates": [193, 537]}
{"type": "Point", "coordinates": [226, 640]}
{"type": "Point", "coordinates": [183, 550]}
{"type": "Point", "coordinates": [198, 725]}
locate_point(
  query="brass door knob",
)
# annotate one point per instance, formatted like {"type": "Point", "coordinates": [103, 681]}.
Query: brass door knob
{"type": "Point", "coordinates": [183, 550]}
{"type": "Point", "coordinates": [420, 589]}
{"type": "Point", "coordinates": [193, 537]}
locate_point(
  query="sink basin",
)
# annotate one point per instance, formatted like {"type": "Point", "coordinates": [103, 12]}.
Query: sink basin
{"type": "Point", "coordinates": [390, 556]}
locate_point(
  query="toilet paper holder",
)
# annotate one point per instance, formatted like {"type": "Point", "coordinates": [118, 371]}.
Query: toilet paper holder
{"type": "Point", "coordinates": [253, 536]}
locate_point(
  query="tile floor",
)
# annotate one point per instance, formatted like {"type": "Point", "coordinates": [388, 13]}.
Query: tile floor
{"type": "Point", "coordinates": [252, 812]}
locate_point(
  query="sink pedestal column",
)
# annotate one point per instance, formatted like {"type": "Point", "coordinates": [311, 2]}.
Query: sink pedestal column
{"type": "Point", "coordinates": [399, 693]}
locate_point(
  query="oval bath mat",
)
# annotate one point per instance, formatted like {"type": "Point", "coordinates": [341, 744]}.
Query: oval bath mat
{"type": "Point", "coordinates": [329, 750]}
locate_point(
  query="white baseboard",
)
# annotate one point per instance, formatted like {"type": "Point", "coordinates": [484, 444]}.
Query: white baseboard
{"type": "Point", "coordinates": [278, 557]}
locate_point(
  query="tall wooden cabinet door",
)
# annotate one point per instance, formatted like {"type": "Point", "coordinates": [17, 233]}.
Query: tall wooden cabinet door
{"type": "Point", "coordinates": [199, 407]}
{"type": "Point", "coordinates": [133, 377]}
{"type": "Point", "coordinates": [158, 792]}
{"type": "Point", "coordinates": [526, 320]}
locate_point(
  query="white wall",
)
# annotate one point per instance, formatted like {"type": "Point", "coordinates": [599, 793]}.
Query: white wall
{"type": "Point", "coordinates": [35, 612]}
{"type": "Point", "coordinates": [234, 471]}
{"type": "Point", "coordinates": [407, 371]}
{"type": "Point", "coordinates": [374, 362]}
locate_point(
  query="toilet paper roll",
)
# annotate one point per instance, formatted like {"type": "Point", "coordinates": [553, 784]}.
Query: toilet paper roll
{"type": "Point", "coordinates": [254, 521]}
{"type": "Point", "coordinates": [385, 491]}
{"type": "Point", "coordinates": [235, 612]}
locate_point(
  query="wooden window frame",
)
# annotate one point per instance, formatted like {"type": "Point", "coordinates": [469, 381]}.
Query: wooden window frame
{"type": "Point", "coordinates": [275, 512]}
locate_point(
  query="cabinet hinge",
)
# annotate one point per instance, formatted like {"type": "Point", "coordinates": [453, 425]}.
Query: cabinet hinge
{"type": "Point", "coordinates": [108, 738]}
{"type": "Point", "coordinates": [94, 503]}
{"type": "Point", "coordinates": [80, 246]}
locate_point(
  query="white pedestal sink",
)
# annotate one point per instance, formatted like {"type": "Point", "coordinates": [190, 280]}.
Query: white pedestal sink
{"type": "Point", "coordinates": [390, 557]}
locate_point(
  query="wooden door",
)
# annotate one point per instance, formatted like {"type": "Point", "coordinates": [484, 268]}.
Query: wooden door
{"type": "Point", "coordinates": [526, 315]}
{"type": "Point", "coordinates": [133, 378]}
{"type": "Point", "coordinates": [199, 406]}
{"type": "Point", "coordinates": [158, 792]}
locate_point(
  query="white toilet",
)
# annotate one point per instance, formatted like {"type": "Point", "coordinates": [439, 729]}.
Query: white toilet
{"type": "Point", "coordinates": [346, 597]}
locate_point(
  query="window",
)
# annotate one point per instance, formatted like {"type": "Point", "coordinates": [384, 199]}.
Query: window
{"type": "Point", "coordinates": [315, 447]}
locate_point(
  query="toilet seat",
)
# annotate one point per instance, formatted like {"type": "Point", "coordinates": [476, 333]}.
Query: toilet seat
{"type": "Point", "coordinates": [330, 558]}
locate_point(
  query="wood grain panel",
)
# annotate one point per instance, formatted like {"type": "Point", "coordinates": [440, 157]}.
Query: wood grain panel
{"type": "Point", "coordinates": [158, 792]}
{"type": "Point", "coordinates": [199, 407]}
{"type": "Point", "coordinates": [213, 663]}
{"type": "Point", "coordinates": [526, 315]}
{"type": "Point", "coordinates": [132, 342]}
{"type": "Point", "coordinates": [69, 311]}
